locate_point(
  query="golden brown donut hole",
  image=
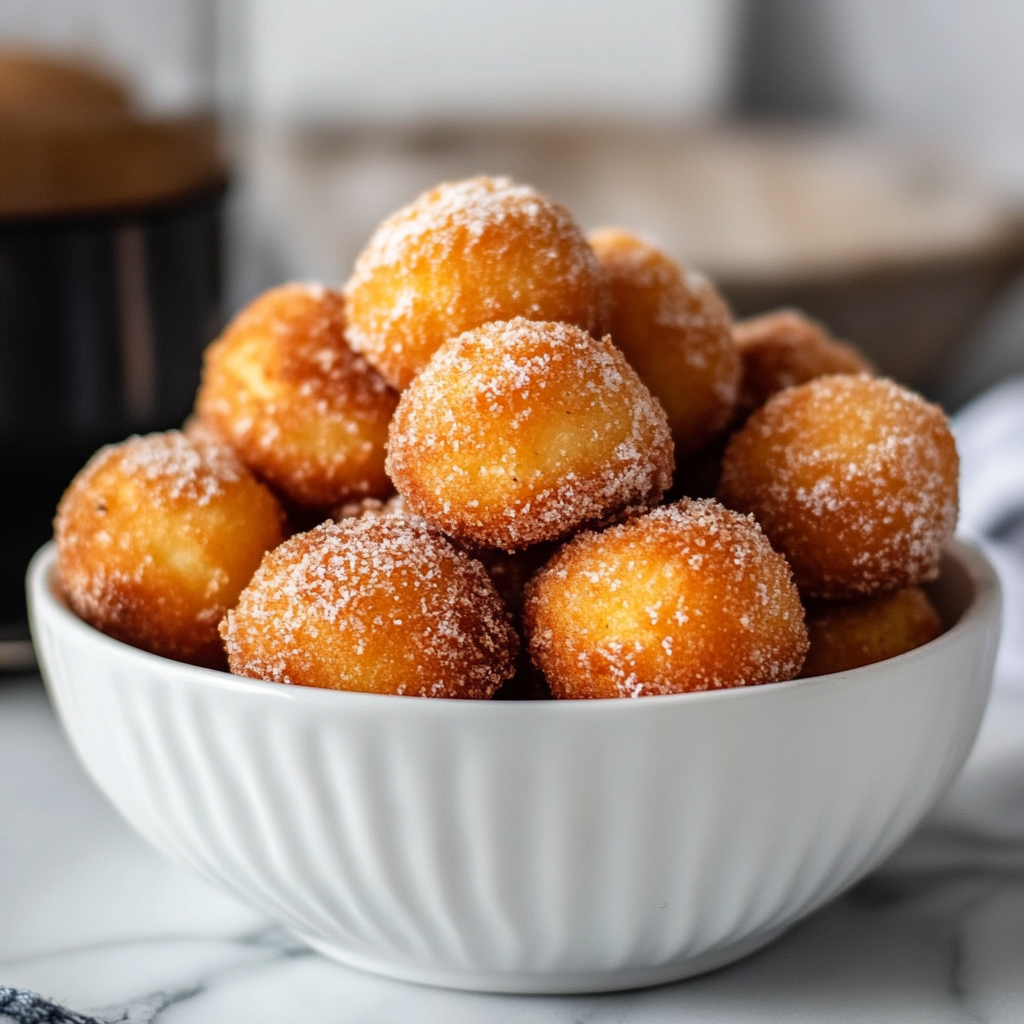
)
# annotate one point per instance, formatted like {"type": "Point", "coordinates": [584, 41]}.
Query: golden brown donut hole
{"type": "Point", "coordinates": [785, 348]}
{"type": "Point", "coordinates": [688, 597]}
{"type": "Point", "coordinates": [378, 604]}
{"type": "Point", "coordinates": [464, 254]}
{"type": "Point", "coordinates": [849, 634]}
{"type": "Point", "coordinates": [853, 479]}
{"type": "Point", "coordinates": [521, 432]}
{"type": "Point", "coordinates": [302, 410]}
{"type": "Point", "coordinates": [156, 537]}
{"type": "Point", "coordinates": [676, 331]}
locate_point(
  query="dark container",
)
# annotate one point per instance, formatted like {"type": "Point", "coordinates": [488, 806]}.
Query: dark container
{"type": "Point", "coordinates": [103, 320]}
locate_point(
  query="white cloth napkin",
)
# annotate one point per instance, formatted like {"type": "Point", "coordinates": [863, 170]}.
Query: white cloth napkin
{"type": "Point", "coordinates": [990, 437]}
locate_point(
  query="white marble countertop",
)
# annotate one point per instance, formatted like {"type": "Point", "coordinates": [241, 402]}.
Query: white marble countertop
{"type": "Point", "coordinates": [93, 919]}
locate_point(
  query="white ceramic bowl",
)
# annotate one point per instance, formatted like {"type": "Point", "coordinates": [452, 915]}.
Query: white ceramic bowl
{"type": "Point", "coordinates": [544, 846]}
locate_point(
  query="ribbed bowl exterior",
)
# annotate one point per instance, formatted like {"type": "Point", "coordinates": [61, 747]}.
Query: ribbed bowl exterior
{"type": "Point", "coordinates": [535, 846]}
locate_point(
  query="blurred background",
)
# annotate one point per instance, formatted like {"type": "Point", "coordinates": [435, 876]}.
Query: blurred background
{"type": "Point", "coordinates": [163, 161]}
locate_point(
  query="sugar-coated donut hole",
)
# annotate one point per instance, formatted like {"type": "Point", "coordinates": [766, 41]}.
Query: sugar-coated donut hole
{"type": "Point", "coordinates": [785, 348]}
{"type": "Point", "coordinates": [157, 536]}
{"type": "Point", "coordinates": [849, 634]}
{"type": "Point", "coordinates": [302, 410]}
{"type": "Point", "coordinates": [381, 604]}
{"type": "Point", "coordinates": [509, 571]}
{"type": "Point", "coordinates": [464, 254]}
{"type": "Point", "coordinates": [853, 479]}
{"type": "Point", "coordinates": [689, 597]}
{"type": "Point", "coordinates": [521, 432]}
{"type": "Point", "coordinates": [676, 331]}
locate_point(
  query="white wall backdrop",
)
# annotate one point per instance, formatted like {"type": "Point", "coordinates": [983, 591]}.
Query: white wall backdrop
{"type": "Point", "coordinates": [405, 59]}
{"type": "Point", "coordinates": [950, 69]}
{"type": "Point", "coordinates": [163, 48]}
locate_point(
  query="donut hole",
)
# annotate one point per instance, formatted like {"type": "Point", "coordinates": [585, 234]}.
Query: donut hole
{"type": "Point", "coordinates": [786, 348]}
{"type": "Point", "coordinates": [296, 404]}
{"type": "Point", "coordinates": [849, 634]}
{"type": "Point", "coordinates": [521, 432]}
{"type": "Point", "coordinates": [464, 254]}
{"type": "Point", "coordinates": [853, 479]}
{"type": "Point", "coordinates": [676, 332]}
{"type": "Point", "coordinates": [688, 597]}
{"type": "Point", "coordinates": [156, 538]}
{"type": "Point", "coordinates": [380, 604]}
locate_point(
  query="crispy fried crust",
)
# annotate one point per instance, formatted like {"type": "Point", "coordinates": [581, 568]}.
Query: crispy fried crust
{"type": "Point", "coordinates": [688, 597]}
{"type": "Point", "coordinates": [156, 538]}
{"type": "Point", "coordinates": [464, 254]}
{"type": "Point", "coordinates": [302, 410]}
{"type": "Point", "coordinates": [676, 331]}
{"type": "Point", "coordinates": [849, 634]}
{"type": "Point", "coordinates": [522, 432]}
{"type": "Point", "coordinates": [853, 479]}
{"type": "Point", "coordinates": [379, 604]}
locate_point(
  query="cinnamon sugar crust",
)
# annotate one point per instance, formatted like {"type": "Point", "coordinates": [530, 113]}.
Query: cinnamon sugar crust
{"type": "Point", "coordinates": [521, 432]}
{"type": "Point", "coordinates": [688, 597]}
{"type": "Point", "coordinates": [854, 479]}
{"type": "Point", "coordinates": [378, 604]}
{"type": "Point", "coordinates": [676, 331]}
{"type": "Point", "coordinates": [298, 406]}
{"type": "Point", "coordinates": [156, 537]}
{"type": "Point", "coordinates": [464, 254]}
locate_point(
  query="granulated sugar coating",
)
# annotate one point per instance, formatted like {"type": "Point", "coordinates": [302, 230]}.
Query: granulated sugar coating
{"type": "Point", "coordinates": [508, 570]}
{"type": "Point", "coordinates": [298, 406]}
{"type": "Point", "coordinates": [676, 332]}
{"type": "Point", "coordinates": [378, 604]}
{"type": "Point", "coordinates": [688, 597]}
{"type": "Point", "coordinates": [522, 432]}
{"type": "Point", "coordinates": [854, 480]}
{"type": "Point", "coordinates": [396, 505]}
{"type": "Point", "coordinates": [464, 254]}
{"type": "Point", "coordinates": [156, 537]}
{"type": "Point", "coordinates": [785, 348]}
{"type": "Point", "coordinates": [849, 634]}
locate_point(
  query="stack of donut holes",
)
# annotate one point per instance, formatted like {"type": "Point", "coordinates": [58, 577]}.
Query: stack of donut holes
{"type": "Point", "coordinates": [508, 459]}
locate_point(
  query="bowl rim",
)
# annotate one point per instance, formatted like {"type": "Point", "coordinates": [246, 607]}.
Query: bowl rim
{"type": "Point", "coordinates": [43, 600]}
